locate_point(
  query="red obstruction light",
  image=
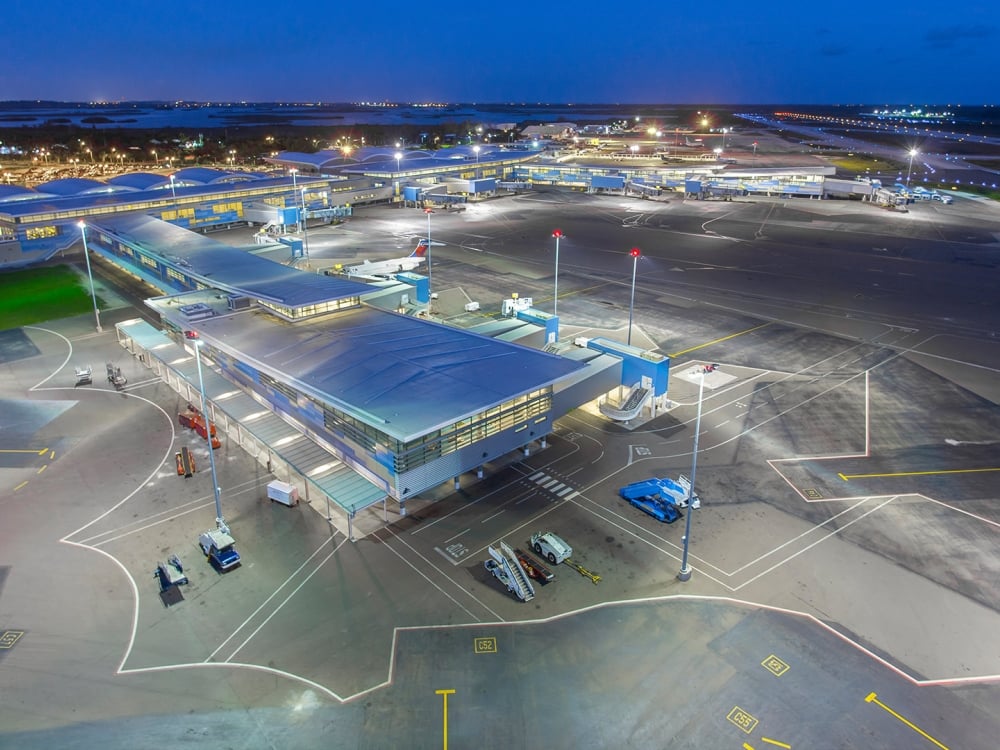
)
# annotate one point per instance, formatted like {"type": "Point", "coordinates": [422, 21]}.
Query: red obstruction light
{"type": "Point", "coordinates": [635, 252]}
{"type": "Point", "coordinates": [557, 233]}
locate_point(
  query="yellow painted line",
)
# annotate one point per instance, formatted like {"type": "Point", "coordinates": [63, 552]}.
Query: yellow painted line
{"type": "Point", "coordinates": [872, 698]}
{"type": "Point", "coordinates": [847, 477]}
{"type": "Point", "coordinates": [20, 485]}
{"type": "Point", "coordinates": [769, 741]}
{"type": "Point", "coordinates": [41, 469]}
{"type": "Point", "coordinates": [747, 747]}
{"type": "Point", "coordinates": [52, 454]}
{"type": "Point", "coordinates": [719, 341]}
{"type": "Point", "coordinates": [444, 695]}
{"type": "Point", "coordinates": [25, 450]}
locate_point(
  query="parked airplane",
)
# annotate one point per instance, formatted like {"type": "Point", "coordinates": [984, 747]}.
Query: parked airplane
{"type": "Point", "coordinates": [381, 270]}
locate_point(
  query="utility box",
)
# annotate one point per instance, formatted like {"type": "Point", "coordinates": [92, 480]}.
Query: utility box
{"type": "Point", "coordinates": [282, 492]}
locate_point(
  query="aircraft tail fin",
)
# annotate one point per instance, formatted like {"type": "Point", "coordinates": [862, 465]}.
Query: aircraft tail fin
{"type": "Point", "coordinates": [420, 251]}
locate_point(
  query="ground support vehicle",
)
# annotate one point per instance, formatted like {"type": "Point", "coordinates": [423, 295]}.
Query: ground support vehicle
{"type": "Point", "coordinates": [533, 568]}
{"type": "Point", "coordinates": [185, 463]}
{"type": "Point", "coordinates": [115, 376]}
{"type": "Point", "coordinates": [170, 573]}
{"type": "Point", "coordinates": [282, 492]}
{"type": "Point", "coordinates": [660, 498]}
{"type": "Point", "coordinates": [506, 568]}
{"type": "Point", "coordinates": [193, 419]}
{"type": "Point", "coordinates": [84, 375]}
{"type": "Point", "coordinates": [220, 549]}
{"type": "Point", "coordinates": [594, 578]}
{"type": "Point", "coordinates": [550, 546]}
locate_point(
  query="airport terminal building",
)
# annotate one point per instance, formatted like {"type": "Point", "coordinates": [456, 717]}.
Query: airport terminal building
{"type": "Point", "coordinates": [354, 402]}
{"type": "Point", "coordinates": [335, 385]}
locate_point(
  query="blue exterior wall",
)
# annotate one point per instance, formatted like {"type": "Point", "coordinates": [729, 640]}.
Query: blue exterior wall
{"type": "Point", "coordinates": [637, 364]}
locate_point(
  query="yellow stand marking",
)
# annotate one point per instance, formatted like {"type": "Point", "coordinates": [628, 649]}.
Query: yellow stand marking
{"type": "Point", "coordinates": [719, 341]}
{"type": "Point", "coordinates": [41, 469]}
{"type": "Point", "coordinates": [444, 696]}
{"type": "Point", "coordinates": [29, 450]}
{"type": "Point", "coordinates": [775, 666]}
{"type": "Point", "coordinates": [846, 477]}
{"type": "Point", "coordinates": [872, 698]}
{"type": "Point", "coordinates": [746, 722]}
{"type": "Point", "coordinates": [747, 747]}
{"type": "Point", "coordinates": [484, 645]}
{"type": "Point", "coordinates": [769, 741]}
{"type": "Point", "coordinates": [20, 485]}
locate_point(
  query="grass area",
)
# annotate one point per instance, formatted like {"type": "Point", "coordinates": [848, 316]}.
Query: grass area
{"type": "Point", "coordinates": [852, 164]}
{"type": "Point", "coordinates": [35, 295]}
{"type": "Point", "coordinates": [942, 187]}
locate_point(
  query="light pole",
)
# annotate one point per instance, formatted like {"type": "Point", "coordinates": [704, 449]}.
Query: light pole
{"type": "Point", "coordinates": [723, 139]}
{"type": "Point", "coordinates": [913, 152]}
{"type": "Point", "coordinates": [476, 150]}
{"type": "Point", "coordinates": [755, 152]}
{"type": "Point", "coordinates": [636, 253]}
{"type": "Point", "coordinates": [295, 193]}
{"type": "Point", "coordinates": [430, 278]}
{"type": "Point", "coordinates": [86, 257]}
{"type": "Point", "coordinates": [220, 522]}
{"type": "Point", "coordinates": [399, 155]}
{"type": "Point", "coordinates": [685, 572]}
{"type": "Point", "coordinates": [555, 295]}
{"type": "Point", "coordinates": [305, 227]}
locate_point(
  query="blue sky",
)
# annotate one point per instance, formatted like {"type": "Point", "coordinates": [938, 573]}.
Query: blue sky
{"type": "Point", "coordinates": [777, 51]}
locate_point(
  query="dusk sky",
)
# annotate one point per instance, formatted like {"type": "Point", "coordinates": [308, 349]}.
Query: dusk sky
{"type": "Point", "coordinates": [777, 51]}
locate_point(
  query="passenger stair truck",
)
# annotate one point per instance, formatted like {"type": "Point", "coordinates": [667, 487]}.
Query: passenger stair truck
{"type": "Point", "coordinates": [505, 568]}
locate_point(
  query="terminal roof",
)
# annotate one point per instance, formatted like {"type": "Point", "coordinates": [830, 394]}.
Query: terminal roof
{"type": "Point", "coordinates": [405, 376]}
{"type": "Point", "coordinates": [225, 267]}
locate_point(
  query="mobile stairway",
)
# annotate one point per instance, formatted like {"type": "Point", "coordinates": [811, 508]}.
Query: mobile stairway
{"type": "Point", "coordinates": [506, 568]}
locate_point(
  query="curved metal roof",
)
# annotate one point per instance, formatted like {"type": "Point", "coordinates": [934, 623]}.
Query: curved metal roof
{"type": "Point", "coordinates": [140, 181]}
{"type": "Point", "coordinates": [76, 186]}
{"type": "Point", "coordinates": [202, 175]}
{"type": "Point", "coordinates": [11, 193]}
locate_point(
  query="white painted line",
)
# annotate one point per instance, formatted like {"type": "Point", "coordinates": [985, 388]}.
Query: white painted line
{"type": "Point", "coordinates": [398, 538]}
{"type": "Point", "coordinates": [488, 518]}
{"type": "Point", "coordinates": [556, 488]}
{"type": "Point", "coordinates": [571, 495]}
{"type": "Point", "coordinates": [456, 536]}
{"type": "Point", "coordinates": [273, 594]}
{"type": "Point", "coordinates": [818, 541]}
{"type": "Point", "coordinates": [565, 491]}
{"type": "Point", "coordinates": [285, 601]}
{"type": "Point", "coordinates": [534, 477]}
{"type": "Point", "coordinates": [546, 485]}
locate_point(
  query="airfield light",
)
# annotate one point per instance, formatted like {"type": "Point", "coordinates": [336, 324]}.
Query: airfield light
{"type": "Point", "coordinates": [635, 253]}
{"type": "Point", "coordinates": [90, 276]}
{"type": "Point", "coordinates": [909, 169]}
